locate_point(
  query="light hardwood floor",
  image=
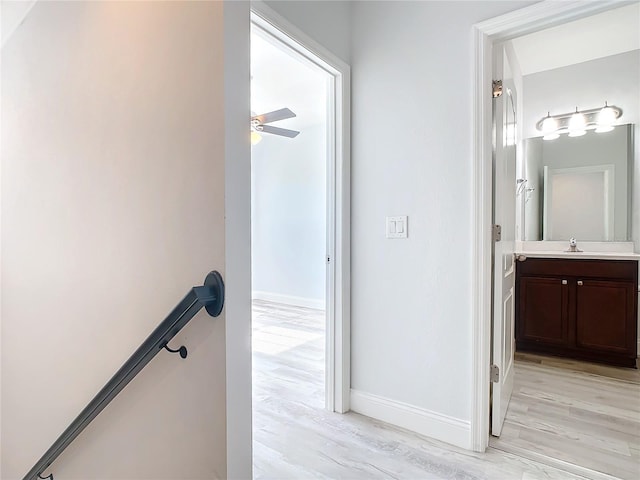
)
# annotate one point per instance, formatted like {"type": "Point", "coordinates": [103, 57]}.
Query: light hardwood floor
{"type": "Point", "coordinates": [575, 412]}
{"type": "Point", "coordinates": [296, 438]}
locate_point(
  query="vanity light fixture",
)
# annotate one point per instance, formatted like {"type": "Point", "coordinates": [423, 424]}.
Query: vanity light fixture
{"type": "Point", "coordinates": [577, 123]}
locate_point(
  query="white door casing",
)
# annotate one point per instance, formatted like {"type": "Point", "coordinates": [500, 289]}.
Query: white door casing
{"type": "Point", "coordinates": [504, 215]}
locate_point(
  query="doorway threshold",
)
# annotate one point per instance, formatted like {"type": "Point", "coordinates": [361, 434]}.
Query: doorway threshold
{"type": "Point", "coordinates": [504, 446]}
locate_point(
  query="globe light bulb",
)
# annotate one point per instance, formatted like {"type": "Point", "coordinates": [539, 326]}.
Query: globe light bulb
{"type": "Point", "coordinates": [577, 124]}
{"type": "Point", "coordinates": [606, 119]}
{"type": "Point", "coordinates": [549, 128]}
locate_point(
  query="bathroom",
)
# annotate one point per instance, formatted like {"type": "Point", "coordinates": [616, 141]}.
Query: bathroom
{"type": "Point", "coordinates": [574, 273]}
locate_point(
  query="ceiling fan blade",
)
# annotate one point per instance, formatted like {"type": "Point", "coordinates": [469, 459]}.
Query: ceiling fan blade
{"type": "Point", "coordinates": [274, 116]}
{"type": "Point", "coordinates": [284, 132]}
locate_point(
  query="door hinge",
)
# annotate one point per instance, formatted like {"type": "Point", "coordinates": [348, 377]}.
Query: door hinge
{"type": "Point", "coordinates": [497, 88]}
{"type": "Point", "coordinates": [497, 233]}
{"type": "Point", "coordinates": [328, 259]}
{"type": "Point", "coordinates": [495, 373]}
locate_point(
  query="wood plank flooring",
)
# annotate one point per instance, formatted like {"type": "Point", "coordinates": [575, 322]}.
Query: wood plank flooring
{"type": "Point", "coordinates": [576, 413]}
{"type": "Point", "coordinates": [296, 438]}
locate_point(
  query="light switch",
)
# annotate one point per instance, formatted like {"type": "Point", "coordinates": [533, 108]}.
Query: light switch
{"type": "Point", "coordinates": [397, 227]}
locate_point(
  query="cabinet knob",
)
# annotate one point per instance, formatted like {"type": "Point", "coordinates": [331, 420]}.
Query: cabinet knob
{"type": "Point", "coordinates": [580, 283]}
{"type": "Point", "coordinates": [564, 282]}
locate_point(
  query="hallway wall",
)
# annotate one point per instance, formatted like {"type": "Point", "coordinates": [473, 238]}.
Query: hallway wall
{"type": "Point", "coordinates": [411, 333]}
{"type": "Point", "coordinates": [113, 125]}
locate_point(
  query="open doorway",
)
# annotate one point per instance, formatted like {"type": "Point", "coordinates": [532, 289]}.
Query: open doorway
{"type": "Point", "coordinates": [567, 409]}
{"type": "Point", "coordinates": [300, 232]}
{"type": "Point", "coordinates": [289, 169]}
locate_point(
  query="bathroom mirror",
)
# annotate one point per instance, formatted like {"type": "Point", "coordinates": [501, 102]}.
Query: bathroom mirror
{"type": "Point", "coordinates": [578, 186]}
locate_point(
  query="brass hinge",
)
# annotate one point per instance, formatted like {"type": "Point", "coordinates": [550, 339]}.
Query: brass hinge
{"type": "Point", "coordinates": [495, 373]}
{"type": "Point", "coordinates": [497, 233]}
{"type": "Point", "coordinates": [497, 88]}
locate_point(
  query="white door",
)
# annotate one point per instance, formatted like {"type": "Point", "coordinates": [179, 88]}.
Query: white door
{"type": "Point", "coordinates": [504, 215]}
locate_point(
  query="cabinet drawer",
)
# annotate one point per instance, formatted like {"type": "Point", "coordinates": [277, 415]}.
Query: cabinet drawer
{"type": "Point", "coordinates": [605, 269]}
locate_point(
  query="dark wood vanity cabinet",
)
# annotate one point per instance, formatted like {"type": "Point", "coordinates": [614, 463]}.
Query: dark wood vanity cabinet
{"type": "Point", "coordinates": [583, 309]}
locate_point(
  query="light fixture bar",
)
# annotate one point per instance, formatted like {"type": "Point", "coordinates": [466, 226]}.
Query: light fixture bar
{"type": "Point", "coordinates": [590, 117]}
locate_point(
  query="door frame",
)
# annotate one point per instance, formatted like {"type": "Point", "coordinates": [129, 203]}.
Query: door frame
{"type": "Point", "coordinates": [485, 35]}
{"type": "Point", "coordinates": [338, 288]}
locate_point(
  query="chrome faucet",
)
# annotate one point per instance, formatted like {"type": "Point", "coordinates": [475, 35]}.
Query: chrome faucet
{"type": "Point", "coordinates": [573, 245]}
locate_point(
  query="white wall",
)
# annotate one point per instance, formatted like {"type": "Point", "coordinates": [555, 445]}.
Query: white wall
{"type": "Point", "coordinates": [587, 85]}
{"type": "Point", "coordinates": [411, 308]}
{"type": "Point", "coordinates": [289, 217]}
{"type": "Point", "coordinates": [112, 208]}
{"type": "Point", "coordinates": [327, 22]}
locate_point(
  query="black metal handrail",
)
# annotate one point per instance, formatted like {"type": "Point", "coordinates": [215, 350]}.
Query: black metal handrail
{"type": "Point", "coordinates": [210, 296]}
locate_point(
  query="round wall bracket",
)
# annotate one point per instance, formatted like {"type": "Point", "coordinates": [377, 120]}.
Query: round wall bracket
{"type": "Point", "coordinates": [214, 279]}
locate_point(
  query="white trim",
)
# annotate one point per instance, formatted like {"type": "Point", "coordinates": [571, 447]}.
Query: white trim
{"type": "Point", "coordinates": [481, 255]}
{"type": "Point", "coordinates": [317, 303]}
{"type": "Point", "coordinates": [485, 35]}
{"type": "Point", "coordinates": [237, 209]}
{"type": "Point", "coordinates": [268, 19]}
{"type": "Point", "coordinates": [425, 422]}
{"type": "Point", "coordinates": [338, 218]}
{"type": "Point", "coordinates": [543, 15]}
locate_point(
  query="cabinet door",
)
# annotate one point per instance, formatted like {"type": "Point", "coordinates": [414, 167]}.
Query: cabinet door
{"type": "Point", "coordinates": [544, 310]}
{"type": "Point", "coordinates": [605, 315]}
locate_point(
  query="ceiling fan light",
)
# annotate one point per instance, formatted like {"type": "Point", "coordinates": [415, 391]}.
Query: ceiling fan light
{"type": "Point", "coordinates": [255, 137]}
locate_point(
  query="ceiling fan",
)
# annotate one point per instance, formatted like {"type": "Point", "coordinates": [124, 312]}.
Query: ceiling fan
{"type": "Point", "coordinates": [258, 123]}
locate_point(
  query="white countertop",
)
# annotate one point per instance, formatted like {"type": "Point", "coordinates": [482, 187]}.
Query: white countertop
{"type": "Point", "coordinates": [580, 255]}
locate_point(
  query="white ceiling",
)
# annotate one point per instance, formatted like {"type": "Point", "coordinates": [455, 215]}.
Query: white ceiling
{"type": "Point", "coordinates": [602, 35]}
{"type": "Point", "coordinates": [282, 80]}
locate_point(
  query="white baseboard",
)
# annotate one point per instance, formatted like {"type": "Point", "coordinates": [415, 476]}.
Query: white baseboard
{"type": "Point", "coordinates": [425, 422]}
{"type": "Point", "coordinates": [317, 303]}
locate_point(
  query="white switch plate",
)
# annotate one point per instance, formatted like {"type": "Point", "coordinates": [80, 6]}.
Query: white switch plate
{"type": "Point", "coordinates": [397, 227]}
